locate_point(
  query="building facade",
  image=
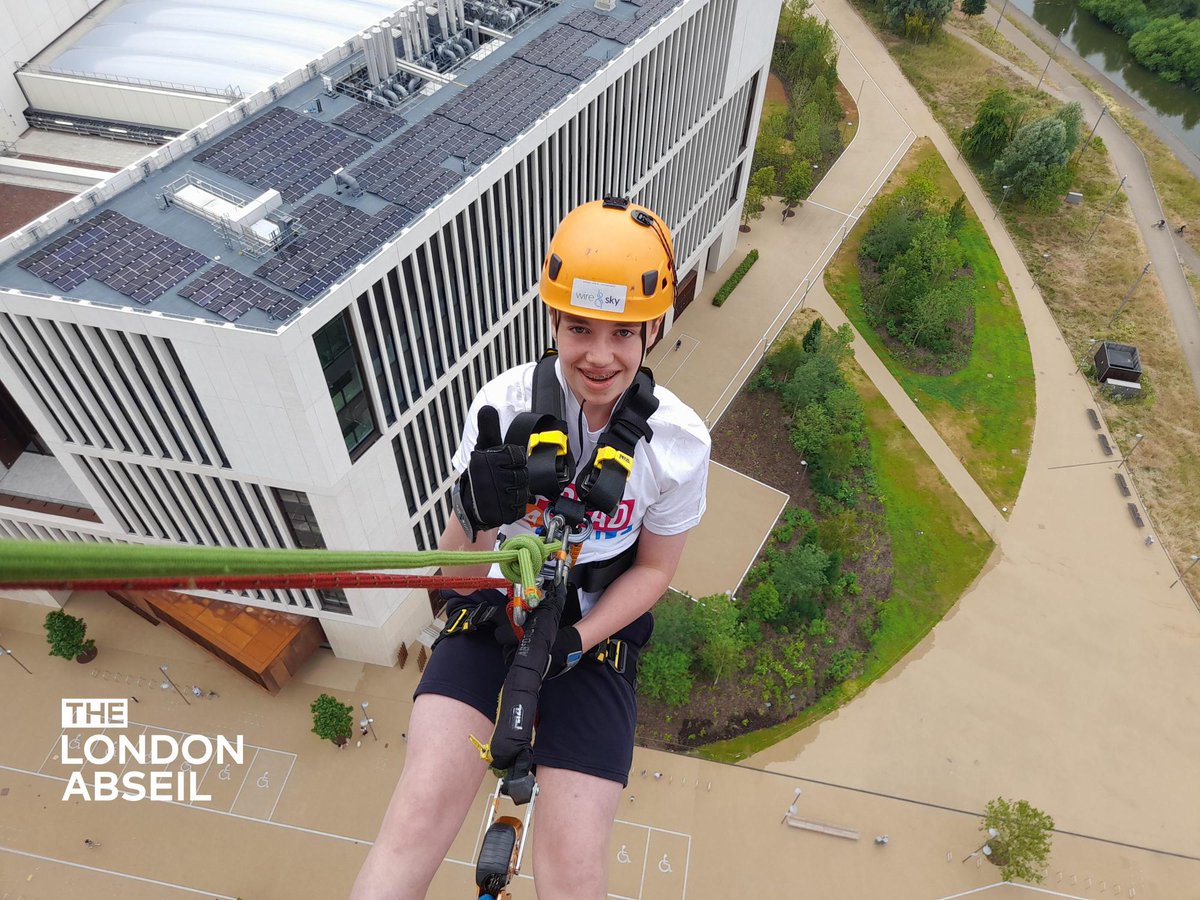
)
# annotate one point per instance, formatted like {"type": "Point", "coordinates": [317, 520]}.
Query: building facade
{"type": "Point", "coordinates": [336, 428]}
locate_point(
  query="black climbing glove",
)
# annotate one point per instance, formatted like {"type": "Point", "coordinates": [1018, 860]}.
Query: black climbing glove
{"type": "Point", "coordinates": [566, 652]}
{"type": "Point", "coordinates": [494, 490]}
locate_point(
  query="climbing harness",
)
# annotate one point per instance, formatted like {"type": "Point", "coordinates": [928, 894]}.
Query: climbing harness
{"type": "Point", "coordinates": [534, 615]}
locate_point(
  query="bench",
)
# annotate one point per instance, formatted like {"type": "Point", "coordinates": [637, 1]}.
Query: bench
{"type": "Point", "coordinates": [1123, 485]}
{"type": "Point", "coordinates": [1135, 514]}
{"type": "Point", "coordinates": [834, 830]}
{"type": "Point", "coordinates": [1094, 419]}
{"type": "Point", "coordinates": [1105, 445]}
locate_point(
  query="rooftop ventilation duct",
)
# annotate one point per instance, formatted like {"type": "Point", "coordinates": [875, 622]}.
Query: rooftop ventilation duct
{"type": "Point", "coordinates": [344, 181]}
{"type": "Point", "coordinates": [402, 31]}
{"type": "Point", "coordinates": [368, 46]}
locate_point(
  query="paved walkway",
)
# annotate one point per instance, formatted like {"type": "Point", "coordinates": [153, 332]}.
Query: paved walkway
{"type": "Point", "coordinates": [1161, 245]}
{"type": "Point", "coordinates": [1069, 674]}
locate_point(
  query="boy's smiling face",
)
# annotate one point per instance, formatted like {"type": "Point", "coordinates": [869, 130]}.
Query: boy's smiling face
{"type": "Point", "coordinates": [600, 359]}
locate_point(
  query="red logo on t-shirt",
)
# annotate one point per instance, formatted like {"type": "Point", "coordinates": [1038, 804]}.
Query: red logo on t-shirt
{"type": "Point", "coordinates": [604, 527]}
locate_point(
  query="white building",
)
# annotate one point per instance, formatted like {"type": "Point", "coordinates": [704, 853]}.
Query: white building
{"type": "Point", "coordinates": [216, 347]}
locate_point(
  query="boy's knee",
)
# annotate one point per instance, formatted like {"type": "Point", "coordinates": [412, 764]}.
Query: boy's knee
{"type": "Point", "coordinates": [564, 870]}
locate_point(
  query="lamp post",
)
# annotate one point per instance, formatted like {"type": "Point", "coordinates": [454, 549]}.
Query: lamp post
{"type": "Point", "coordinates": [170, 681]}
{"type": "Point", "coordinates": [803, 468]}
{"type": "Point", "coordinates": [1128, 295]}
{"type": "Point", "coordinates": [1050, 59]}
{"type": "Point", "coordinates": [1087, 143]}
{"type": "Point", "coordinates": [1111, 201]}
{"type": "Point", "coordinates": [791, 810]}
{"type": "Point", "coordinates": [4, 650]}
{"type": "Point", "coordinates": [1091, 344]}
{"type": "Point", "coordinates": [1125, 461]}
{"type": "Point", "coordinates": [1000, 17]}
{"type": "Point", "coordinates": [1000, 205]}
{"type": "Point", "coordinates": [370, 722]}
{"type": "Point", "coordinates": [1182, 575]}
{"type": "Point", "coordinates": [984, 848]}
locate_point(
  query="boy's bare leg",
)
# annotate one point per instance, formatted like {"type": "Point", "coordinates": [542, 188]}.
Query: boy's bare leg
{"type": "Point", "coordinates": [442, 774]}
{"type": "Point", "coordinates": [572, 824]}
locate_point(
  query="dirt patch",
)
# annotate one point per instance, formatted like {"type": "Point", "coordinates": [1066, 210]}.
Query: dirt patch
{"type": "Point", "coordinates": [752, 437]}
{"type": "Point", "coordinates": [776, 92]}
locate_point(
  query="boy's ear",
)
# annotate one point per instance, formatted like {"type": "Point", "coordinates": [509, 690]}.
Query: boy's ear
{"type": "Point", "coordinates": [654, 329]}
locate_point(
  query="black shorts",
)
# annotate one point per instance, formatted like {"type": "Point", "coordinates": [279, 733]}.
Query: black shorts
{"type": "Point", "coordinates": [586, 717]}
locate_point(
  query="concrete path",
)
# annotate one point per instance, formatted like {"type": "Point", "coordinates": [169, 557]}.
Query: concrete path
{"type": "Point", "coordinates": [1139, 186]}
{"type": "Point", "coordinates": [1069, 675]}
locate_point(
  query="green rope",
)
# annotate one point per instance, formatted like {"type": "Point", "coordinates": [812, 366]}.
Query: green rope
{"type": "Point", "coordinates": [520, 559]}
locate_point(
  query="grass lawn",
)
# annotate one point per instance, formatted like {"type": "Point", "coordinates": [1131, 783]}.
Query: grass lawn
{"type": "Point", "coordinates": [1083, 280]}
{"type": "Point", "coordinates": [985, 411]}
{"type": "Point", "coordinates": [937, 551]}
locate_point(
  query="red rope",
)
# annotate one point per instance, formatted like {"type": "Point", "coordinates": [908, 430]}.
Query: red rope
{"type": "Point", "coordinates": [266, 582]}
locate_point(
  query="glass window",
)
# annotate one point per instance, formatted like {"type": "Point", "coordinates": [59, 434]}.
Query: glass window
{"type": "Point", "coordinates": [341, 363]}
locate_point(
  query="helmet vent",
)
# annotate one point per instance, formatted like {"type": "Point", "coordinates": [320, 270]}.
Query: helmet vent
{"type": "Point", "coordinates": [650, 282]}
{"type": "Point", "coordinates": [553, 266]}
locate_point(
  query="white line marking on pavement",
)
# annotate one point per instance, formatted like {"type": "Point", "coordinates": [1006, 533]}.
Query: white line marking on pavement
{"type": "Point", "coordinates": [218, 812]}
{"type": "Point", "coordinates": [249, 769]}
{"type": "Point", "coordinates": [811, 202]}
{"type": "Point", "coordinates": [291, 766]}
{"type": "Point", "coordinates": [75, 865]}
{"type": "Point", "coordinates": [695, 346]}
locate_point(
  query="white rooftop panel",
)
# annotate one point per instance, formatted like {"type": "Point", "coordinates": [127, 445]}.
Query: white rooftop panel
{"type": "Point", "coordinates": [246, 44]}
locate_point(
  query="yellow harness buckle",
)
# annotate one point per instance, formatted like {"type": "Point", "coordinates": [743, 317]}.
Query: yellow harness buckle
{"type": "Point", "coordinates": [462, 622]}
{"type": "Point", "coordinates": [556, 439]}
{"type": "Point", "coordinates": [624, 460]}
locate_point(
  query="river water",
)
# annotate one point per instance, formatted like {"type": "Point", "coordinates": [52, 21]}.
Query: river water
{"type": "Point", "coordinates": [1176, 107]}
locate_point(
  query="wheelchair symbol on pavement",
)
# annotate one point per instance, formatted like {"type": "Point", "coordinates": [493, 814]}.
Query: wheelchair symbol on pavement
{"type": "Point", "coordinates": [185, 766]}
{"type": "Point", "coordinates": [263, 780]}
{"type": "Point", "coordinates": [664, 866]}
{"type": "Point", "coordinates": [75, 741]}
{"type": "Point", "coordinates": [224, 773]}
{"type": "Point", "coordinates": [623, 855]}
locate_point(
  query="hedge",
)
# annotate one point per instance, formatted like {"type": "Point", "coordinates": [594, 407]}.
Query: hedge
{"type": "Point", "coordinates": [738, 274]}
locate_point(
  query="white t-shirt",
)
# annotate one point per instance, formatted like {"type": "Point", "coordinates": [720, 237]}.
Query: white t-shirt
{"type": "Point", "coordinates": [665, 493]}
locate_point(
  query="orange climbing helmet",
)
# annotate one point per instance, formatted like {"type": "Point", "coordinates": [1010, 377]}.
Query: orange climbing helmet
{"type": "Point", "coordinates": [610, 259]}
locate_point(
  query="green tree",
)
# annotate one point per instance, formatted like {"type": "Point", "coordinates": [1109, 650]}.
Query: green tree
{"type": "Point", "coordinates": [721, 643]}
{"type": "Point", "coordinates": [812, 337]}
{"type": "Point", "coordinates": [938, 313]}
{"type": "Point", "coordinates": [665, 674]}
{"type": "Point", "coordinates": [1125, 16]}
{"type": "Point", "coordinates": [797, 184]}
{"type": "Point", "coordinates": [810, 382]}
{"type": "Point", "coordinates": [805, 47]}
{"type": "Point", "coordinates": [331, 719]}
{"type": "Point", "coordinates": [67, 635]}
{"type": "Point", "coordinates": [1034, 164]}
{"type": "Point", "coordinates": [799, 575]}
{"type": "Point", "coordinates": [675, 624]}
{"type": "Point", "coordinates": [974, 7]}
{"type": "Point", "coordinates": [956, 218]}
{"type": "Point", "coordinates": [996, 122]}
{"type": "Point", "coordinates": [763, 604]}
{"type": "Point", "coordinates": [762, 183]}
{"type": "Point", "coordinates": [901, 13]}
{"type": "Point", "coordinates": [1022, 842]}
{"type": "Point", "coordinates": [811, 432]}
{"type": "Point", "coordinates": [1170, 47]}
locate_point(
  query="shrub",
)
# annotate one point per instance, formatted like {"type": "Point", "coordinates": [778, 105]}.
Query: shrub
{"type": "Point", "coordinates": [996, 122]}
{"type": "Point", "coordinates": [1034, 164]}
{"type": "Point", "coordinates": [67, 635]}
{"type": "Point", "coordinates": [842, 665]}
{"type": "Point", "coordinates": [331, 718]}
{"type": "Point", "coordinates": [665, 674]}
{"type": "Point", "coordinates": [1022, 842]}
{"type": "Point", "coordinates": [763, 604]}
{"type": "Point", "coordinates": [732, 282]}
{"type": "Point", "coordinates": [974, 7]}
{"type": "Point", "coordinates": [928, 14]}
{"type": "Point", "coordinates": [1170, 47]}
